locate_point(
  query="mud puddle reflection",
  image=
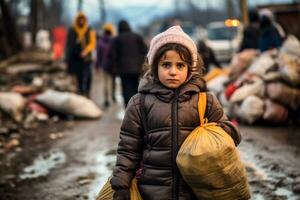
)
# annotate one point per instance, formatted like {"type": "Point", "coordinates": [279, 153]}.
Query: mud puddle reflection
{"type": "Point", "coordinates": [43, 164]}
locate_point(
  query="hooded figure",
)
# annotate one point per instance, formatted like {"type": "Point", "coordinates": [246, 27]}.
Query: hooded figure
{"type": "Point", "coordinates": [251, 32]}
{"type": "Point", "coordinates": [127, 55]}
{"type": "Point", "coordinates": [269, 36]}
{"type": "Point", "coordinates": [81, 42]}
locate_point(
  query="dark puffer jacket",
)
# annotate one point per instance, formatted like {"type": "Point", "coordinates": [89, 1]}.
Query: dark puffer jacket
{"type": "Point", "coordinates": [171, 116]}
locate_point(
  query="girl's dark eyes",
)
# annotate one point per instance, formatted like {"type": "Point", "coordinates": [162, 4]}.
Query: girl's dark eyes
{"type": "Point", "coordinates": [180, 65]}
{"type": "Point", "coordinates": [168, 65]}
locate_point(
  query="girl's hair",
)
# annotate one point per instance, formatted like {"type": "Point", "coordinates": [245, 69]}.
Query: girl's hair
{"type": "Point", "coordinates": [184, 54]}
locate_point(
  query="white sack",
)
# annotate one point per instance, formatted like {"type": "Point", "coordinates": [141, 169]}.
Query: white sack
{"type": "Point", "coordinates": [217, 84]}
{"type": "Point", "coordinates": [251, 109]}
{"type": "Point", "coordinates": [256, 89]}
{"type": "Point", "coordinates": [13, 104]}
{"type": "Point", "coordinates": [69, 103]}
{"type": "Point", "coordinates": [290, 68]}
{"type": "Point", "coordinates": [261, 65]}
{"type": "Point", "coordinates": [291, 46]}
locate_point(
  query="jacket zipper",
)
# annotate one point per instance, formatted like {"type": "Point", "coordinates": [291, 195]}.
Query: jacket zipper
{"type": "Point", "coordinates": [175, 171]}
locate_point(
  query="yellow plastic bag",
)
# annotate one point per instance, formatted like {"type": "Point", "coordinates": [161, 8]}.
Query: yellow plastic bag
{"type": "Point", "coordinates": [107, 193]}
{"type": "Point", "coordinates": [210, 164]}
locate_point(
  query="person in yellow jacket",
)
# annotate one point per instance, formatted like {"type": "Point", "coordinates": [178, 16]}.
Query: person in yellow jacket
{"type": "Point", "coordinates": [81, 42]}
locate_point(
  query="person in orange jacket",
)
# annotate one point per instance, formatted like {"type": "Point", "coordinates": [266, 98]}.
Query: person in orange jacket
{"type": "Point", "coordinates": [81, 42]}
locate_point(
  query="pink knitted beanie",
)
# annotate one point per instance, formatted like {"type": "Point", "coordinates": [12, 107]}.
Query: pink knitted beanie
{"type": "Point", "coordinates": [172, 35]}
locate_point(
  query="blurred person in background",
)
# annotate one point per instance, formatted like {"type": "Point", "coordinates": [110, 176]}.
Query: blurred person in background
{"type": "Point", "coordinates": [81, 42]}
{"type": "Point", "coordinates": [207, 56]}
{"type": "Point", "coordinates": [128, 54]}
{"type": "Point", "coordinates": [269, 37]}
{"type": "Point", "coordinates": [104, 44]}
{"type": "Point", "coordinates": [268, 13]}
{"type": "Point", "coordinates": [251, 32]}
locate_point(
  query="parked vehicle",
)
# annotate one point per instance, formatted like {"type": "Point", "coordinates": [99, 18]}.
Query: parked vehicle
{"type": "Point", "coordinates": [224, 38]}
{"type": "Point", "coordinates": [196, 32]}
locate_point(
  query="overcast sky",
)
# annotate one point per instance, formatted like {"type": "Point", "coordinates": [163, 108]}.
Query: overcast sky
{"type": "Point", "coordinates": [149, 9]}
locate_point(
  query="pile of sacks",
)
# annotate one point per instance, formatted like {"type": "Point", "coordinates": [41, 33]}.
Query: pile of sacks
{"type": "Point", "coordinates": [30, 91]}
{"type": "Point", "coordinates": [260, 86]}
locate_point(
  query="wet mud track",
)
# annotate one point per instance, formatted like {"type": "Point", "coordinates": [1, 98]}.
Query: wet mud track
{"type": "Point", "coordinates": [76, 163]}
{"type": "Point", "coordinates": [271, 156]}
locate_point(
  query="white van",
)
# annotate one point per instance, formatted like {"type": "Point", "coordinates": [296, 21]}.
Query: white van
{"type": "Point", "coordinates": [224, 38]}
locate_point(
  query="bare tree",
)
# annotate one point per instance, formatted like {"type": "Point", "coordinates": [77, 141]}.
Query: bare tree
{"type": "Point", "coordinates": [33, 19]}
{"type": "Point", "coordinates": [10, 42]}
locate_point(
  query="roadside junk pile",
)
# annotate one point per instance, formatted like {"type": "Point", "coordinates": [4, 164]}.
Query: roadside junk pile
{"type": "Point", "coordinates": [34, 89]}
{"type": "Point", "coordinates": [260, 87]}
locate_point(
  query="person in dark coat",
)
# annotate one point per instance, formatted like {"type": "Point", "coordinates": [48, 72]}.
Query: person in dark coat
{"type": "Point", "coordinates": [128, 55]}
{"type": "Point", "coordinates": [251, 32]}
{"type": "Point", "coordinates": [269, 37]}
{"type": "Point", "coordinates": [81, 41]}
{"type": "Point", "coordinates": [170, 89]}
{"type": "Point", "coordinates": [207, 56]}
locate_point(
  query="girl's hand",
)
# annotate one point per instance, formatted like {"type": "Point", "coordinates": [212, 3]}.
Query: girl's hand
{"type": "Point", "coordinates": [122, 194]}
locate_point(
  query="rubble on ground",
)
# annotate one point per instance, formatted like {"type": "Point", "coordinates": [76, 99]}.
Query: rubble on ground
{"type": "Point", "coordinates": [30, 76]}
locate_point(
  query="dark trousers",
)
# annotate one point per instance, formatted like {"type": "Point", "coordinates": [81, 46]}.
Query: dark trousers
{"type": "Point", "coordinates": [84, 80]}
{"type": "Point", "coordinates": [130, 83]}
{"type": "Point", "coordinates": [109, 85]}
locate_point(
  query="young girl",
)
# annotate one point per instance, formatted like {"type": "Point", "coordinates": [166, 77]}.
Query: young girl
{"type": "Point", "coordinates": [170, 88]}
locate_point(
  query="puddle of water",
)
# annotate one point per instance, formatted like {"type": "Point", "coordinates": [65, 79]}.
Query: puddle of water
{"type": "Point", "coordinates": [102, 171]}
{"type": "Point", "coordinates": [43, 164]}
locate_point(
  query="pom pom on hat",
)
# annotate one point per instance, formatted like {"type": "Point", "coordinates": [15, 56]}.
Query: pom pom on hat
{"type": "Point", "coordinates": [172, 35]}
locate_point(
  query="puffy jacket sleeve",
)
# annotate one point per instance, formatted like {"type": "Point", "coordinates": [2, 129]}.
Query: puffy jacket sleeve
{"type": "Point", "coordinates": [130, 146]}
{"type": "Point", "coordinates": [214, 113]}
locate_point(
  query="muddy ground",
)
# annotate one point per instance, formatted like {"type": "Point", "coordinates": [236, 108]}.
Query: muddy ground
{"type": "Point", "coordinates": [71, 159]}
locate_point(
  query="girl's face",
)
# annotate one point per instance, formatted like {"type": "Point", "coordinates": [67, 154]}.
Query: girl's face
{"type": "Point", "coordinates": [172, 70]}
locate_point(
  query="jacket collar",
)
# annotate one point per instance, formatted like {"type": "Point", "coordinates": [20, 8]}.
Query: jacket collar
{"type": "Point", "coordinates": [193, 85]}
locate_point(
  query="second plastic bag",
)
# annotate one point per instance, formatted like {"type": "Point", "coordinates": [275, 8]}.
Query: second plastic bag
{"type": "Point", "coordinates": [107, 193]}
{"type": "Point", "coordinates": [210, 163]}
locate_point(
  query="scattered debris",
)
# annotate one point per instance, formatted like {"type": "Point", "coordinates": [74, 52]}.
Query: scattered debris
{"type": "Point", "coordinates": [57, 135]}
